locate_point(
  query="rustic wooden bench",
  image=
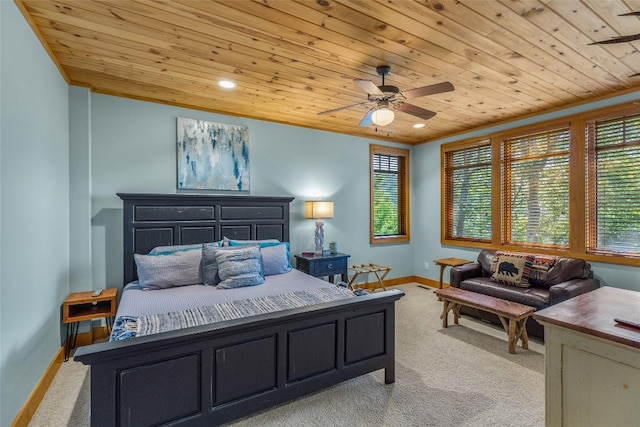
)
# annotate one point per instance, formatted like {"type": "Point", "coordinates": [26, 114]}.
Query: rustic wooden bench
{"type": "Point", "coordinates": [517, 314]}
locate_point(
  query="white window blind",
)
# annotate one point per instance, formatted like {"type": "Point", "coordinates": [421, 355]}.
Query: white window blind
{"type": "Point", "coordinates": [613, 185]}
{"type": "Point", "coordinates": [535, 188]}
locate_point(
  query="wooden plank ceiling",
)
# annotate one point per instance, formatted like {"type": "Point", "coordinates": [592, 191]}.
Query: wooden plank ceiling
{"type": "Point", "coordinates": [292, 59]}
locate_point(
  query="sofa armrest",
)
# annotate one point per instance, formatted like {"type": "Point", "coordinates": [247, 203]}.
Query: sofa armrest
{"type": "Point", "coordinates": [464, 272]}
{"type": "Point", "coordinates": [571, 288]}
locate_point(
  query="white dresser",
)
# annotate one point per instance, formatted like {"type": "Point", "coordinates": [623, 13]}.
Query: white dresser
{"type": "Point", "coordinates": [592, 363]}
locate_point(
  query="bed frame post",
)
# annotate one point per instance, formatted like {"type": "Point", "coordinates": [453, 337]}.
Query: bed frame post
{"type": "Point", "coordinates": [390, 344]}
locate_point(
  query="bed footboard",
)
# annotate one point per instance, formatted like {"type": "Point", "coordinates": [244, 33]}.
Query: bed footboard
{"type": "Point", "coordinates": [213, 374]}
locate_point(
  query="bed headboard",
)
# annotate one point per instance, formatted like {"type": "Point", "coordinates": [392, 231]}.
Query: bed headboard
{"type": "Point", "coordinates": [151, 220]}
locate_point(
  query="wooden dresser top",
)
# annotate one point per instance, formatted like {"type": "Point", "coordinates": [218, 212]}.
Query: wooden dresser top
{"type": "Point", "coordinates": [593, 313]}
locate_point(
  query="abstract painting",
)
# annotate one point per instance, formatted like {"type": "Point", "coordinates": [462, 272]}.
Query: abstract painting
{"type": "Point", "coordinates": [212, 156]}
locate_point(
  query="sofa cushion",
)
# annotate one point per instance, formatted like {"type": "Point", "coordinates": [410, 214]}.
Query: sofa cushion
{"type": "Point", "coordinates": [485, 259]}
{"type": "Point", "coordinates": [565, 269]}
{"type": "Point", "coordinates": [511, 268]}
{"type": "Point", "coordinates": [533, 297]}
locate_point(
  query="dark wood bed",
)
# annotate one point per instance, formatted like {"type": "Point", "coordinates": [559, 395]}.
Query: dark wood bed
{"type": "Point", "coordinates": [212, 374]}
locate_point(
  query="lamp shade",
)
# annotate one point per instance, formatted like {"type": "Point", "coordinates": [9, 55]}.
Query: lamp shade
{"type": "Point", "coordinates": [382, 116]}
{"type": "Point", "coordinates": [317, 209]}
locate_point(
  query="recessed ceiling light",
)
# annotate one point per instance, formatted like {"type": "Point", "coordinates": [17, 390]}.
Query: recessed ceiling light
{"type": "Point", "coordinates": [418, 125]}
{"type": "Point", "coordinates": [227, 84]}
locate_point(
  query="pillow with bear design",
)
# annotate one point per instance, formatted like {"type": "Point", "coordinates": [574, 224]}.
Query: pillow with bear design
{"type": "Point", "coordinates": [512, 269]}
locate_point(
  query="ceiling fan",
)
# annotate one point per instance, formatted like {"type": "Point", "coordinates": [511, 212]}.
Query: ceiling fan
{"type": "Point", "coordinates": [621, 39]}
{"type": "Point", "coordinates": [385, 98]}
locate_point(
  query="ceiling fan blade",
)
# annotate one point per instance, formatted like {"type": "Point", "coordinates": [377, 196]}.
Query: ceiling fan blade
{"type": "Point", "coordinates": [630, 14]}
{"type": "Point", "coordinates": [416, 111]}
{"type": "Point", "coordinates": [621, 39]}
{"type": "Point", "coordinates": [366, 120]}
{"type": "Point", "coordinates": [428, 90]}
{"type": "Point", "coordinates": [342, 108]}
{"type": "Point", "coordinates": [368, 86]}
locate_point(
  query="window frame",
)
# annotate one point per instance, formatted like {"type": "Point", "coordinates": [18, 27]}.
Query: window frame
{"type": "Point", "coordinates": [591, 187]}
{"type": "Point", "coordinates": [506, 192]}
{"type": "Point", "coordinates": [578, 208]}
{"type": "Point", "coordinates": [447, 181]}
{"type": "Point", "coordinates": [403, 202]}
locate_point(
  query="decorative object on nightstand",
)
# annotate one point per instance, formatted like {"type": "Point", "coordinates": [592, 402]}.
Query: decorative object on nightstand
{"type": "Point", "coordinates": [318, 210]}
{"type": "Point", "coordinates": [323, 265]}
{"type": "Point", "coordinates": [87, 305]}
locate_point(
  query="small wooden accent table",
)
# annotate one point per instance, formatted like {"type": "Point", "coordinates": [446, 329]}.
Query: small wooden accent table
{"type": "Point", "coordinates": [81, 306]}
{"type": "Point", "coordinates": [369, 268]}
{"type": "Point", "coordinates": [454, 298]}
{"type": "Point", "coordinates": [448, 262]}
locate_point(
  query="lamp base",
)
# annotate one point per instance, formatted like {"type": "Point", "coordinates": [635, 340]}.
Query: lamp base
{"type": "Point", "coordinates": [319, 237]}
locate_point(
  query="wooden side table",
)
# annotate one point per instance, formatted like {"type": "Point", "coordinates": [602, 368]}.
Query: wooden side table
{"type": "Point", "coordinates": [448, 262]}
{"type": "Point", "coordinates": [320, 265]}
{"type": "Point", "coordinates": [81, 306]}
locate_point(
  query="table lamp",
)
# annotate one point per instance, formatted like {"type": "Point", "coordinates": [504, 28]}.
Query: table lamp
{"type": "Point", "coordinates": [318, 210]}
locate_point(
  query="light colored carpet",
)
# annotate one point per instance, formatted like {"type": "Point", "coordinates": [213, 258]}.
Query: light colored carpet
{"type": "Point", "coordinates": [459, 376]}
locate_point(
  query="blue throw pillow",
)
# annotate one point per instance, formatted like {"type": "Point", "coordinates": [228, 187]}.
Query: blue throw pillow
{"type": "Point", "coordinates": [210, 275]}
{"type": "Point", "coordinates": [231, 242]}
{"type": "Point", "coordinates": [164, 250]}
{"type": "Point", "coordinates": [275, 255]}
{"type": "Point", "coordinates": [275, 258]}
{"type": "Point", "coordinates": [239, 266]}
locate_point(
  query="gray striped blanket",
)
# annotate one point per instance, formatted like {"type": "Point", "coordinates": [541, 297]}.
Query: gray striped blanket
{"type": "Point", "coordinates": [127, 327]}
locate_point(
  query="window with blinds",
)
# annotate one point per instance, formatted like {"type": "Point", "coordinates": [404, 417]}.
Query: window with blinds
{"type": "Point", "coordinates": [389, 194]}
{"type": "Point", "coordinates": [613, 185]}
{"type": "Point", "coordinates": [535, 188]}
{"type": "Point", "coordinates": [467, 193]}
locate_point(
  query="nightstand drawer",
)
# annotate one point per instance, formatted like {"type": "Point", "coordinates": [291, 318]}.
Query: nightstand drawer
{"type": "Point", "coordinates": [328, 267]}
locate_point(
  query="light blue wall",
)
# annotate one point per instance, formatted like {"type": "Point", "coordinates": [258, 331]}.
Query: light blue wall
{"type": "Point", "coordinates": [426, 223]}
{"type": "Point", "coordinates": [34, 210]}
{"type": "Point", "coordinates": [61, 222]}
{"type": "Point", "coordinates": [132, 148]}
{"type": "Point", "coordinates": [80, 273]}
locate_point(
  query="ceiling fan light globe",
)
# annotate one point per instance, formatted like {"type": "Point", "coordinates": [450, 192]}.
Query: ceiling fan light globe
{"type": "Point", "coordinates": [382, 116]}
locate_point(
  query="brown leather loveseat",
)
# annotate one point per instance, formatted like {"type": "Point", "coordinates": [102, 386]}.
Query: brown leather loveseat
{"type": "Point", "coordinates": [549, 280]}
